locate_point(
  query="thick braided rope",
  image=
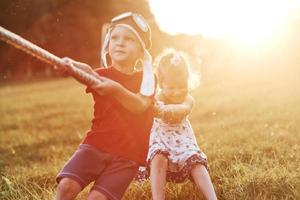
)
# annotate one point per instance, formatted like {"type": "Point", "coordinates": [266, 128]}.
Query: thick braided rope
{"type": "Point", "coordinates": [33, 50]}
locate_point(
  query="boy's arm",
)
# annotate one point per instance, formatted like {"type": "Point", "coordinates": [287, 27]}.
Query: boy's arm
{"type": "Point", "coordinates": [134, 102]}
{"type": "Point", "coordinates": [85, 67]}
{"type": "Point", "coordinates": [66, 70]}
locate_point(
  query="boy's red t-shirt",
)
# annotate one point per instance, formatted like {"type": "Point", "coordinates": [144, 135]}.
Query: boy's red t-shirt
{"type": "Point", "coordinates": [116, 130]}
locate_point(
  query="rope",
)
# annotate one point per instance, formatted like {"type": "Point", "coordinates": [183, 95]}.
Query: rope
{"type": "Point", "coordinates": [45, 56]}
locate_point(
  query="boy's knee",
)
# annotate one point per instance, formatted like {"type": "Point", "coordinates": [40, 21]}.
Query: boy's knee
{"type": "Point", "coordinates": [95, 195]}
{"type": "Point", "coordinates": [68, 188]}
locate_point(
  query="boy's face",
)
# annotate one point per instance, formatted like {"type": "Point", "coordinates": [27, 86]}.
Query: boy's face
{"type": "Point", "coordinates": [124, 47]}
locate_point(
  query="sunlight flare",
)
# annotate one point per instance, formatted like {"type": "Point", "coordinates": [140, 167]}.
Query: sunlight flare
{"type": "Point", "coordinates": [249, 21]}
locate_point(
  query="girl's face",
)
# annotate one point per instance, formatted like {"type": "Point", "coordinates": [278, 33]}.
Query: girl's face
{"type": "Point", "coordinates": [124, 47]}
{"type": "Point", "coordinates": [174, 89]}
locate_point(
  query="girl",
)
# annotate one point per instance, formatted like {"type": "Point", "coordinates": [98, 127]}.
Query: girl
{"type": "Point", "coordinates": [173, 152]}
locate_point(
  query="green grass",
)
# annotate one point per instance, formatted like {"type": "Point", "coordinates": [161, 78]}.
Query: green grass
{"type": "Point", "coordinates": [248, 128]}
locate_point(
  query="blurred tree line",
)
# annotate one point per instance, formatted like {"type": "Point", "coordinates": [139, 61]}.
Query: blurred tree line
{"type": "Point", "coordinates": [68, 28]}
{"type": "Point", "coordinates": [73, 28]}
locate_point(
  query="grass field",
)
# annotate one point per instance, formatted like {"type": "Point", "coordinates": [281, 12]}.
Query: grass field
{"type": "Point", "coordinates": [249, 128]}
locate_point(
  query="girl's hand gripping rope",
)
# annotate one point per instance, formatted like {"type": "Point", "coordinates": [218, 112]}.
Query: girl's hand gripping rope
{"type": "Point", "coordinates": [167, 113]}
{"type": "Point", "coordinates": [170, 116]}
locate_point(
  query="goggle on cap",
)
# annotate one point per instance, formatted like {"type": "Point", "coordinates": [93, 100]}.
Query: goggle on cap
{"type": "Point", "coordinates": [138, 25]}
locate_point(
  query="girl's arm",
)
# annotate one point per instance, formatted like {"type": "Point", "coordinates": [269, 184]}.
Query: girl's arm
{"type": "Point", "coordinates": [174, 113]}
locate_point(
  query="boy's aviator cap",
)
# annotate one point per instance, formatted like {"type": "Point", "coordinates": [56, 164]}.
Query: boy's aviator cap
{"type": "Point", "coordinates": [138, 23]}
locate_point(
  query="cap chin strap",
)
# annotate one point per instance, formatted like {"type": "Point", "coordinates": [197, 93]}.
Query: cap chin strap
{"type": "Point", "coordinates": [104, 50]}
{"type": "Point", "coordinates": [147, 85]}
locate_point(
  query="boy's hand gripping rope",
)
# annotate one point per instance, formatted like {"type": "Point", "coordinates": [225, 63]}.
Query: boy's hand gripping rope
{"type": "Point", "coordinates": [33, 50]}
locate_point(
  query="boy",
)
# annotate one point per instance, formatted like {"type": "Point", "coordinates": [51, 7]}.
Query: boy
{"type": "Point", "coordinates": [118, 139]}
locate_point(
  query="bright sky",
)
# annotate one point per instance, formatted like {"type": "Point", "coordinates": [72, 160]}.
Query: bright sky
{"type": "Point", "coordinates": [249, 21]}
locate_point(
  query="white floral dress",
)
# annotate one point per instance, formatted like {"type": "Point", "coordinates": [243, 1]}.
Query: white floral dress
{"type": "Point", "coordinates": [176, 140]}
{"type": "Point", "coordinates": [178, 143]}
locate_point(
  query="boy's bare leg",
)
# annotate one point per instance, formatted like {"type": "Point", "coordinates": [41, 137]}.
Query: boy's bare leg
{"type": "Point", "coordinates": [158, 171]}
{"type": "Point", "coordinates": [67, 189]}
{"type": "Point", "coordinates": [203, 182]}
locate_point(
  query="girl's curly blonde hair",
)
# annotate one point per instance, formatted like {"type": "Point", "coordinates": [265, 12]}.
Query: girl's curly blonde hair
{"type": "Point", "coordinates": [177, 62]}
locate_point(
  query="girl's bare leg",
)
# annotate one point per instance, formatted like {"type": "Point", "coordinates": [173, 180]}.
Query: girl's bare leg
{"type": "Point", "coordinates": [203, 182]}
{"type": "Point", "coordinates": [158, 171]}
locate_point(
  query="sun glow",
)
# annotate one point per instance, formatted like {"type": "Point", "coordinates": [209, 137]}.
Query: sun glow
{"type": "Point", "coordinates": [249, 21]}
